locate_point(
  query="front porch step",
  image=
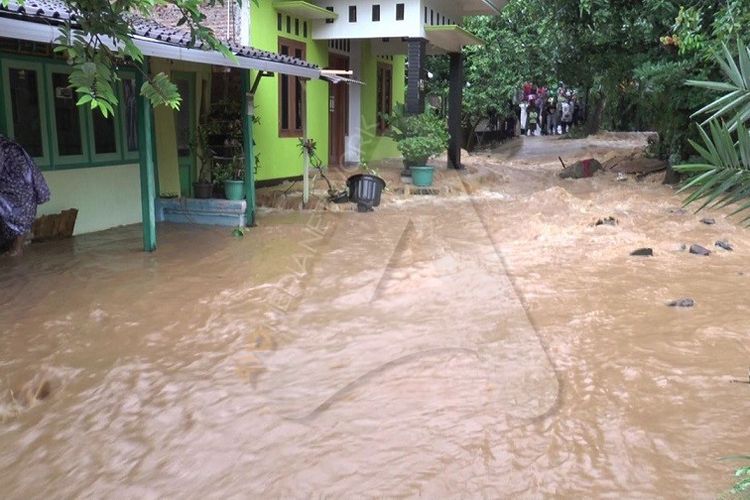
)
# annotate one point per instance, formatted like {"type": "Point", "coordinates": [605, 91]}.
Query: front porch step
{"type": "Point", "coordinates": [212, 211]}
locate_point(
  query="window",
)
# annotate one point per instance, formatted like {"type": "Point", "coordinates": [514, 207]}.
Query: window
{"type": "Point", "coordinates": [304, 29]}
{"type": "Point", "coordinates": [291, 99]}
{"type": "Point", "coordinates": [26, 121]}
{"type": "Point", "coordinates": [67, 132]}
{"type": "Point", "coordinates": [376, 13]}
{"type": "Point", "coordinates": [432, 16]}
{"type": "Point", "coordinates": [425, 15]}
{"type": "Point", "coordinates": [288, 24]}
{"type": "Point", "coordinates": [384, 95]}
{"type": "Point", "coordinates": [399, 12]}
{"type": "Point", "coordinates": [443, 20]}
{"type": "Point", "coordinates": [352, 13]}
{"type": "Point", "coordinates": [329, 21]}
{"type": "Point", "coordinates": [40, 113]}
{"type": "Point", "coordinates": [278, 22]}
{"type": "Point", "coordinates": [296, 26]}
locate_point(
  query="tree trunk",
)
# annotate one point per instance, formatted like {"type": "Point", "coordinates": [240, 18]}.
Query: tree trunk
{"type": "Point", "coordinates": [470, 136]}
{"type": "Point", "coordinates": [594, 118]}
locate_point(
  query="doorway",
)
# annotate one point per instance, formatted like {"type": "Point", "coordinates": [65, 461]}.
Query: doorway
{"type": "Point", "coordinates": [338, 113]}
{"type": "Point", "coordinates": [185, 123]}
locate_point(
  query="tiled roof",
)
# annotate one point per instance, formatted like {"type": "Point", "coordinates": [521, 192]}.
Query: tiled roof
{"type": "Point", "coordinates": [57, 11]}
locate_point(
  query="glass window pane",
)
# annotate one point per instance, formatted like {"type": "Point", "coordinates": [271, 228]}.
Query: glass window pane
{"type": "Point", "coordinates": [67, 117]}
{"type": "Point", "coordinates": [27, 120]}
{"type": "Point", "coordinates": [130, 100]}
{"type": "Point", "coordinates": [298, 95]}
{"type": "Point", "coordinates": [104, 133]}
{"type": "Point", "coordinates": [298, 104]}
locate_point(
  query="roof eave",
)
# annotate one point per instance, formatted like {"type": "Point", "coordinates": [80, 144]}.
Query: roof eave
{"type": "Point", "coordinates": [27, 29]}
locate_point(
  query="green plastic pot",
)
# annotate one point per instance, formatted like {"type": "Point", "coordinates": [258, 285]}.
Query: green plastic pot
{"type": "Point", "coordinates": [422, 175]}
{"type": "Point", "coordinates": [234, 190]}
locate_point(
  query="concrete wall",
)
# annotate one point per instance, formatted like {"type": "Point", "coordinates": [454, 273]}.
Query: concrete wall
{"type": "Point", "coordinates": [104, 196]}
{"type": "Point", "coordinates": [279, 156]}
{"type": "Point", "coordinates": [224, 19]}
{"type": "Point", "coordinates": [388, 26]}
{"type": "Point", "coordinates": [441, 8]}
{"type": "Point", "coordinates": [164, 122]}
{"type": "Point", "coordinates": [377, 147]}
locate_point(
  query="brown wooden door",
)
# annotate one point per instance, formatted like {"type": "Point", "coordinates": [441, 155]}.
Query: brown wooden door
{"type": "Point", "coordinates": [338, 113]}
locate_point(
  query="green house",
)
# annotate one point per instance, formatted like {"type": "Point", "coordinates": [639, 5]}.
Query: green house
{"type": "Point", "coordinates": [325, 70]}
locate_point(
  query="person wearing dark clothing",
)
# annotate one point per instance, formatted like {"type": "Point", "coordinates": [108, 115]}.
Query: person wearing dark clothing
{"type": "Point", "coordinates": [22, 189]}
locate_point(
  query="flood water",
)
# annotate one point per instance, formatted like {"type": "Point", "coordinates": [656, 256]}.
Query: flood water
{"type": "Point", "coordinates": [494, 343]}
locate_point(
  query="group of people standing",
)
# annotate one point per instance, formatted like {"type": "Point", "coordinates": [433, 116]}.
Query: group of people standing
{"type": "Point", "coordinates": [544, 111]}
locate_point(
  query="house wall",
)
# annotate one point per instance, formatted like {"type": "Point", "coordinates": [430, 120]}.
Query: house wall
{"type": "Point", "coordinates": [104, 196]}
{"type": "Point", "coordinates": [164, 122]}
{"type": "Point", "coordinates": [377, 147]}
{"type": "Point", "coordinates": [104, 188]}
{"type": "Point", "coordinates": [279, 156]}
{"type": "Point", "coordinates": [440, 12]}
{"type": "Point", "coordinates": [364, 27]}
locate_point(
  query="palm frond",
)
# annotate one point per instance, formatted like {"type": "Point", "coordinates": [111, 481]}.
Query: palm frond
{"type": "Point", "coordinates": [723, 178]}
{"type": "Point", "coordinates": [734, 106]}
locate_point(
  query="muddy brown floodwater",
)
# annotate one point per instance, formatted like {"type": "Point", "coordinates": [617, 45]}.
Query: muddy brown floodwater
{"type": "Point", "coordinates": [494, 343]}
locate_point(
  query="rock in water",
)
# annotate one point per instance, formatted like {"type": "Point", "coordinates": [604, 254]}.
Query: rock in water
{"type": "Point", "coordinates": [708, 222]}
{"type": "Point", "coordinates": [682, 303]}
{"type": "Point", "coordinates": [643, 252]}
{"type": "Point", "coordinates": [725, 245]}
{"type": "Point", "coordinates": [607, 221]}
{"type": "Point", "coordinates": [641, 166]}
{"type": "Point", "coordinates": [699, 250]}
{"type": "Point", "coordinates": [581, 169]}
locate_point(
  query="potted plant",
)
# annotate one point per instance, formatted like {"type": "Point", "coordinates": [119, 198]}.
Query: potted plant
{"type": "Point", "coordinates": [234, 186]}
{"type": "Point", "coordinates": [203, 187]}
{"type": "Point", "coordinates": [230, 169]}
{"type": "Point", "coordinates": [421, 137]}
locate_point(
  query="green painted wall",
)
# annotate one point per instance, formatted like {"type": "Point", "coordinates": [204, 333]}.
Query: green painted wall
{"type": "Point", "coordinates": [377, 147]}
{"type": "Point", "coordinates": [164, 122]}
{"type": "Point", "coordinates": [279, 156]}
{"type": "Point", "coordinates": [104, 196]}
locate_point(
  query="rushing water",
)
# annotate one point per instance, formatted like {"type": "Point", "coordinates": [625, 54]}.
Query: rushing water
{"type": "Point", "coordinates": [496, 344]}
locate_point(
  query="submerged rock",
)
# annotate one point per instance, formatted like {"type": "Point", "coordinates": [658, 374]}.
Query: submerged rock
{"type": "Point", "coordinates": [581, 169]}
{"type": "Point", "coordinates": [699, 250]}
{"type": "Point", "coordinates": [607, 221]}
{"type": "Point", "coordinates": [678, 211]}
{"type": "Point", "coordinates": [724, 244]}
{"type": "Point", "coordinates": [687, 302]}
{"type": "Point", "coordinates": [643, 252]}
{"type": "Point", "coordinates": [708, 222]}
{"type": "Point", "coordinates": [640, 166]}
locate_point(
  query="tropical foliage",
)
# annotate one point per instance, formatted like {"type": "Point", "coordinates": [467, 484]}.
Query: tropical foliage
{"type": "Point", "coordinates": [629, 60]}
{"type": "Point", "coordinates": [418, 137]}
{"type": "Point", "coordinates": [722, 178]}
{"type": "Point", "coordinates": [104, 41]}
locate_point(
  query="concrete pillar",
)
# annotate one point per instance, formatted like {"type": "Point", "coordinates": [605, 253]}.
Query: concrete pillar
{"type": "Point", "coordinates": [455, 98]}
{"type": "Point", "coordinates": [416, 53]}
{"type": "Point", "coordinates": [146, 153]}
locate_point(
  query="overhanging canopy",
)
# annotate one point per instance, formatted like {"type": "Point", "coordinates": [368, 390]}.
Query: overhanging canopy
{"type": "Point", "coordinates": [301, 8]}
{"type": "Point", "coordinates": [481, 7]}
{"type": "Point", "coordinates": [337, 77]}
{"type": "Point", "coordinates": [451, 37]}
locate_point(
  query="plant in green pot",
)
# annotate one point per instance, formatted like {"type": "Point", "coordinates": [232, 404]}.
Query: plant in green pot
{"type": "Point", "coordinates": [423, 136]}
{"type": "Point", "coordinates": [203, 187]}
{"type": "Point", "coordinates": [234, 186]}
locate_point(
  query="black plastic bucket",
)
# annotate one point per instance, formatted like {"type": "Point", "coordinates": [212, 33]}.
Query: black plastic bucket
{"type": "Point", "coordinates": [365, 189]}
